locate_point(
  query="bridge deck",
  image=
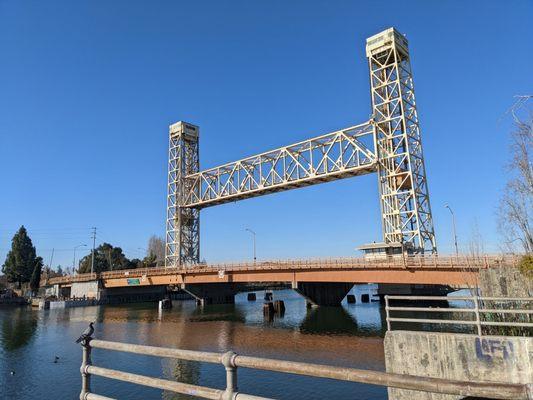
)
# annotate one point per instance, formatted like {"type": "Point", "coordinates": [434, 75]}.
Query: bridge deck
{"type": "Point", "coordinates": [454, 271]}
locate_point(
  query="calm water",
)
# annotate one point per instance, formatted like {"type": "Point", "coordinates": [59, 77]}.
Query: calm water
{"type": "Point", "coordinates": [348, 336]}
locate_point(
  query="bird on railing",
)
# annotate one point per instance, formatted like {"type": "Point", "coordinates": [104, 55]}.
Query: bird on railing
{"type": "Point", "coordinates": [86, 333]}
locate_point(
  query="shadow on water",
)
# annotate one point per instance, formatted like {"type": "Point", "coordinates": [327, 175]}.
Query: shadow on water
{"type": "Point", "coordinates": [18, 330]}
{"type": "Point", "coordinates": [217, 312]}
{"type": "Point", "coordinates": [329, 321]}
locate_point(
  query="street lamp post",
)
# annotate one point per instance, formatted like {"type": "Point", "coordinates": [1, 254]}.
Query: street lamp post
{"type": "Point", "coordinates": [74, 261]}
{"type": "Point", "coordinates": [253, 234]}
{"type": "Point", "coordinates": [454, 229]}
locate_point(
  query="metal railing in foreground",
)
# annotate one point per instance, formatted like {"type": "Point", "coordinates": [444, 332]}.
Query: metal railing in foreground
{"type": "Point", "coordinates": [232, 361]}
{"type": "Point", "coordinates": [479, 311]}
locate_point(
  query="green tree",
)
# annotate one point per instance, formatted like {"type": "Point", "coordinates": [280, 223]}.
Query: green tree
{"type": "Point", "coordinates": [149, 261]}
{"type": "Point", "coordinates": [36, 275]}
{"type": "Point", "coordinates": [21, 259]}
{"type": "Point", "coordinates": [106, 258]}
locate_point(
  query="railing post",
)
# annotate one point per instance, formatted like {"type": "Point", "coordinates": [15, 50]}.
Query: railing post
{"type": "Point", "coordinates": [476, 309]}
{"type": "Point", "coordinates": [228, 360]}
{"type": "Point", "coordinates": [387, 311]}
{"type": "Point", "coordinates": [85, 362]}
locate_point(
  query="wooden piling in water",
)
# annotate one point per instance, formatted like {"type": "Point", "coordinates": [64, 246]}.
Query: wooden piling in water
{"type": "Point", "coordinates": [279, 307]}
{"type": "Point", "coordinates": [268, 309]}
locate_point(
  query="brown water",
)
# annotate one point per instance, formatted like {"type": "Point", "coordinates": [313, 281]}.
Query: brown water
{"type": "Point", "coordinates": [347, 336]}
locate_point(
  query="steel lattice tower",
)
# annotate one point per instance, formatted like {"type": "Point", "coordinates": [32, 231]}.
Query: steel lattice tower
{"type": "Point", "coordinates": [183, 223]}
{"type": "Point", "coordinates": [397, 158]}
{"type": "Point", "coordinates": [404, 196]}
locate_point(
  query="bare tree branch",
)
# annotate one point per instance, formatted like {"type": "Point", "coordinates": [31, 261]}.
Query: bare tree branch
{"type": "Point", "coordinates": [516, 204]}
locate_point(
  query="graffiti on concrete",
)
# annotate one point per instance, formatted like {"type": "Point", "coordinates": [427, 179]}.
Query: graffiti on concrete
{"type": "Point", "coordinates": [487, 349]}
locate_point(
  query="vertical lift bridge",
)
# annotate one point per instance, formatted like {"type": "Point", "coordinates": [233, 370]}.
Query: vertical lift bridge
{"type": "Point", "coordinates": [388, 144]}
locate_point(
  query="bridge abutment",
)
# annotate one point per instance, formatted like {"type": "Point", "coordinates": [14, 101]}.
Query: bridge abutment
{"type": "Point", "coordinates": [323, 293]}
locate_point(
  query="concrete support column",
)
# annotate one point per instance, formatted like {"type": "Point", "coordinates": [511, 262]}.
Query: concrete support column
{"type": "Point", "coordinates": [212, 293]}
{"type": "Point", "coordinates": [323, 293]}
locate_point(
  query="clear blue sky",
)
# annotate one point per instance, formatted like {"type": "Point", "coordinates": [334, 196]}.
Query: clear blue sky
{"type": "Point", "coordinates": [88, 89]}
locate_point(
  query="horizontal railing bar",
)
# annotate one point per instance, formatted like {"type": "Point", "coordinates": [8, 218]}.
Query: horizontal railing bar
{"type": "Point", "coordinates": [94, 396]}
{"type": "Point", "coordinates": [507, 298]}
{"type": "Point", "coordinates": [461, 322]}
{"type": "Point", "coordinates": [164, 384]}
{"type": "Point", "coordinates": [433, 321]}
{"type": "Point", "coordinates": [189, 355]}
{"type": "Point", "coordinates": [452, 298]}
{"type": "Point", "coordinates": [436, 385]}
{"type": "Point", "coordinates": [472, 310]}
{"type": "Point", "coordinates": [431, 309]}
{"type": "Point", "coordinates": [430, 298]}
{"type": "Point", "coordinates": [244, 396]}
{"type": "Point", "coordinates": [503, 323]}
{"type": "Point", "coordinates": [496, 311]}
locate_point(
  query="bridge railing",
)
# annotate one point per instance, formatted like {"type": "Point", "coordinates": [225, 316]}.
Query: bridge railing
{"type": "Point", "coordinates": [232, 361]}
{"type": "Point", "coordinates": [483, 312]}
{"type": "Point", "coordinates": [466, 263]}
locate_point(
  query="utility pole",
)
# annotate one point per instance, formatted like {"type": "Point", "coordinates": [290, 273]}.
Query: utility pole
{"type": "Point", "coordinates": [109, 259]}
{"type": "Point", "coordinates": [51, 259]}
{"type": "Point", "coordinates": [253, 233]}
{"type": "Point", "coordinates": [94, 244]}
{"type": "Point", "coordinates": [74, 261]}
{"type": "Point", "coordinates": [454, 230]}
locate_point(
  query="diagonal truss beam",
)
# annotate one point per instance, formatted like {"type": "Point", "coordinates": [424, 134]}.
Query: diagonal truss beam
{"type": "Point", "coordinates": [340, 154]}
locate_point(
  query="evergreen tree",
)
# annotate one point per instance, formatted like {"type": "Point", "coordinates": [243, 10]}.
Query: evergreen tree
{"type": "Point", "coordinates": [36, 275]}
{"type": "Point", "coordinates": [21, 259]}
{"type": "Point", "coordinates": [106, 258]}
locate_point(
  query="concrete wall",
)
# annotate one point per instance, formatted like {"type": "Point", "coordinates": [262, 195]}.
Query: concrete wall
{"type": "Point", "coordinates": [504, 282]}
{"type": "Point", "coordinates": [52, 290]}
{"type": "Point", "coordinates": [457, 356]}
{"type": "Point", "coordinates": [70, 304]}
{"type": "Point", "coordinates": [87, 289]}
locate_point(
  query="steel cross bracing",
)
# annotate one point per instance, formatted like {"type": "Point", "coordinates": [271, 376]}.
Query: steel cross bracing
{"type": "Point", "coordinates": [388, 144]}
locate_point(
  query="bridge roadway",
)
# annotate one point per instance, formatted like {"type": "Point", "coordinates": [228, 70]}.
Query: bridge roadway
{"type": "Point", "coordinates": [321, 281]}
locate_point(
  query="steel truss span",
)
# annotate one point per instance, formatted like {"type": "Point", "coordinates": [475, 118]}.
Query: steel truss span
{"type": "Point", "coordinates": [388, 144]}
{"type": "Point", "coordinates": [324, 158]}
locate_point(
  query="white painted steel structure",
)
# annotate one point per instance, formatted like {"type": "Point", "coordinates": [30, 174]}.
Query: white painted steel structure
{"type": "Point", "coordinates": [405, 208]}
{"type": "Point", "coordinates": [183, 223]}
{"type": "Point", "coordinates": [389, 144]}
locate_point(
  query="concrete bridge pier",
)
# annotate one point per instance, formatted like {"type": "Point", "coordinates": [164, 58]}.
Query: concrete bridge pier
{"type": "Point", "coordinates": [323, 293]}
{"type": "Point", "coordinates": [212, 293]}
